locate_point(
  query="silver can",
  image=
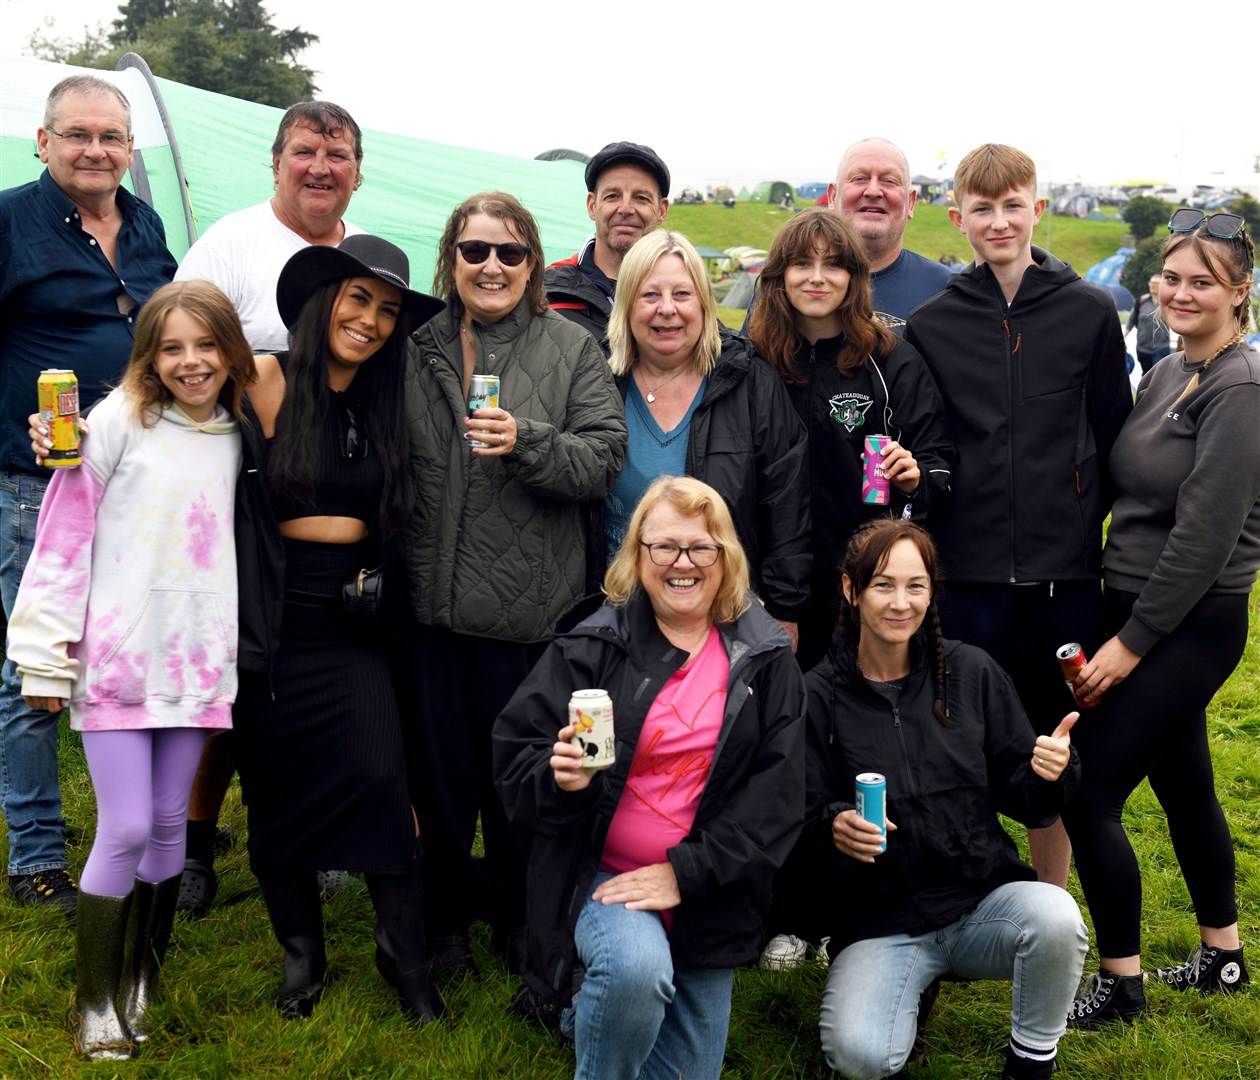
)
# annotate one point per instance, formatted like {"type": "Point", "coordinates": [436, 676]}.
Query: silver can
{"type": "Point", "coordinates": [483, 393]}
{"type": "Point", "coordinates": [591, 714]}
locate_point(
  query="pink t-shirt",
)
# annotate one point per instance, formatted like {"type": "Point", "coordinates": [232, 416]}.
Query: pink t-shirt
{"type": "Point", "coordinates": [671, 763]}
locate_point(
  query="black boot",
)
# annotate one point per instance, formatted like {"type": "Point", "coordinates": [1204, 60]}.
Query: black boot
{"type": "Point", "coordinates": [148, 933]}
{"type": "Point", "coordinates": [400, 951]}
{"type": "Point", "coordinates": [1208, 970]}
{"type": "Point", "coordinates": [298, 923]}
{"type": "Point", "coordinates": [100, 934]}
{"type": "Point", "coordinates": [1106, 997]}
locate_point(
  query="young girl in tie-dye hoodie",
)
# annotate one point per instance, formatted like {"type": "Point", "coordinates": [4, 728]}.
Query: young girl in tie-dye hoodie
{"type": "Point", "coordinates": [127, 612]}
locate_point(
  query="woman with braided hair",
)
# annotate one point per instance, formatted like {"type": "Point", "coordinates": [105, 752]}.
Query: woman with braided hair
{"type": "Point", "coordinates": [1181, 557]}
{"type": "Point", "coordinates": [942, 891]}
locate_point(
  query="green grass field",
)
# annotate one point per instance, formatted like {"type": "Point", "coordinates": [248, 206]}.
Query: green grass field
{"type": "Point", "coordinates": [215, 1018]}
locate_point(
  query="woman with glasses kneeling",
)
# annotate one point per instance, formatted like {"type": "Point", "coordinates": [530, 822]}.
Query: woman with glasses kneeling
{"type": "Point", "coordinates": [653, 872]}
{"type": "Point", "coordinates": [1179, 565]}
{"type": "Point", "coordinates": [941, 891]}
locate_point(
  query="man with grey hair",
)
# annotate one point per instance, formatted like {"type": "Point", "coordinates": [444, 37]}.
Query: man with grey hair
{"type": "Point", "coordinates": [872, 192]}
{"type": "Point", "coordinates": [79, 254]}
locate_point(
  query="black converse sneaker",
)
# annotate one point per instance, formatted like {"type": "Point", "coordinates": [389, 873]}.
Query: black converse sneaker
{"type": "Point", "coordinates": [1208, 970]}
{"type": "Point", "coordinates": [1107, 997]}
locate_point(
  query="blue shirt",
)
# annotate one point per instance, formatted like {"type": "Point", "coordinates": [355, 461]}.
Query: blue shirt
{"type": "Point", "coordinates": [59, 301]}
{"type": "Point", "coordinates": [902, 286]}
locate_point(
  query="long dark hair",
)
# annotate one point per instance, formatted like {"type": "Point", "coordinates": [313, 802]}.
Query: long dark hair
{"type": "Point", "coordinates": [293, 461]}
{"type": "Point", "coordinates": [866, 556]}
{"type": "Point", "coordinates": [772, 328]}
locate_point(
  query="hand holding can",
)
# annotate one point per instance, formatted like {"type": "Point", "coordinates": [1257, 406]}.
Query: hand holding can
{"type": "Point", "coordinates": [483, 393]}
{"type": "Point", "coordinates": [591, 715]}
{"type": "Point", "coordinates": [876, 488]}
{"type": "Point", "coordinates": [870, 797]}
{"type": "Point", "coordinates": [1071, 659]}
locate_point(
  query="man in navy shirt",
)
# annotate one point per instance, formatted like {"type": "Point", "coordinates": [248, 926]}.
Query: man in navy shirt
{"type": "Point", "coordinates": [78, 256]}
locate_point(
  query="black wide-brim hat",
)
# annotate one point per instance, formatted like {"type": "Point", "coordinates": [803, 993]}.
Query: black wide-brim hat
{"type": "Point", "coordinates": [359, 255]}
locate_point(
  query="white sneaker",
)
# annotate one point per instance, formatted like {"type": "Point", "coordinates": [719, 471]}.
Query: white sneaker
{"type": "Point", "coordinates": [784, 952]}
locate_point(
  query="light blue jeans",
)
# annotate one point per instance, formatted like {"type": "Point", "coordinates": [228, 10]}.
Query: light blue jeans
{"type": "Point", "coordinates": [30, 797]}
{"type": "Point", "coordinates": [636, 1018]}
{"type": "Point", "coordinates": [1025, 931]}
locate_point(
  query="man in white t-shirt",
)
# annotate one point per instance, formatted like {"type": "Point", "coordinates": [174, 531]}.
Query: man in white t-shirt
{"type": "Point", "coordinates": [315, 161]}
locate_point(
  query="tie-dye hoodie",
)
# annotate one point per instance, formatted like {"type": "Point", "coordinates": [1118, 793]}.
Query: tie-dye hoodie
{"type": "Point", "coordinates": [128, 604]}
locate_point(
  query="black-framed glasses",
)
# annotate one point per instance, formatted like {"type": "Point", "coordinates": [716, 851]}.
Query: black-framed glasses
{"type": "Point", "coordinates": [112, 142]}
{"type": "Point", "coordinates": [354, 442]}
{"type": "Point", "coordinates": [1222, 226]}
{"type": "Point", "coordinates": [667, 554]}
{"type": "Point", "coordinates": [475, 252]}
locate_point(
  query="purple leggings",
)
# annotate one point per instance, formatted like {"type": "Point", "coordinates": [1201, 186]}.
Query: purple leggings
{"type": "Point", "coordinates": [142, 780]}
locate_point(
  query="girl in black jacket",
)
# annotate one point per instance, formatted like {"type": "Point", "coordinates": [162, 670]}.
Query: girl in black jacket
{"type": "Point", "coordinates": [949, 895]}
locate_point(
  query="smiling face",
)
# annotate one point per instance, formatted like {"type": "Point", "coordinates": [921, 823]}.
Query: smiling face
{"type": "Point", "coordinates": [872, 190]}
{"type": "Point", "coordinates": [625, 204]}
{"type": "Point", "coordinates": [490, 290]}
{"type": "Point", "coordinates": [892, 607]}
{"type": "Point", "coordinates": [681, 595]}
{"type": "Point", "coordinates": [666, 320]}
{"type": "Point", "coordinates": [315, 176]}
{"type": "Point", "coordinates": [816, 286]}
{"type": "Point", "coordinates": [92, 174]}
{"type": "Point", "coordinates": [1195, 305]}
{"type": "Point", "coordinates": [999, 229]}
{"type": "Point", "coordinates": [189, 366]}
{"type": "Point", "coordinates": [364, 314]}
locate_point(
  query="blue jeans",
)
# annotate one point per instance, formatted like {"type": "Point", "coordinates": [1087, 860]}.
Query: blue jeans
{"type": "Point", "coordinates": [1025, 931]}
{"type": "Point", "coordinates": [30, 797]}
{"type": "Point", "coordinates": [636, 1017]}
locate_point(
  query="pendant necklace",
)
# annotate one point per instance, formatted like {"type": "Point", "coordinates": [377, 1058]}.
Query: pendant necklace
{"type": "Point", "coordinates": [651, 390]}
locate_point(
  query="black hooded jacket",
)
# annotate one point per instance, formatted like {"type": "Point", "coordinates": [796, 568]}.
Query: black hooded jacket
{"type": "Point", "coordinates": [1035, 395]}
{"type": "Point", "coordinates": [946, 786]}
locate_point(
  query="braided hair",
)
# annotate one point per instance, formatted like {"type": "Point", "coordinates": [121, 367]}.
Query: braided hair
{"type": "Point", "coordinates": [865, 556]}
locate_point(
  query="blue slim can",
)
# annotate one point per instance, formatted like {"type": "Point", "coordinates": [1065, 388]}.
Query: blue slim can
{"type": "Point", "coordinates": [871, 793]}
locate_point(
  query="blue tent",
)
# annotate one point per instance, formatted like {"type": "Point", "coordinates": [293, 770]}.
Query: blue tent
{"type": "Point", "coordinates": [1108, 271]}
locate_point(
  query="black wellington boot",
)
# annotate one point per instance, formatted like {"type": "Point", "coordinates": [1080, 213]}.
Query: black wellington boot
{"type": "Point", "coordinates": [100, 935]}
{"type": "Point", "coordinates": [400, 951]}
{"type": "Point", "coordinates": [148, 934]}
{"type": "Point", "coordinates": [297, 920]}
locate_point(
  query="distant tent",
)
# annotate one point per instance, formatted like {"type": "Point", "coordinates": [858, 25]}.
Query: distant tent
{"type": "Point", "coordinates": [721, 193]}
{"type": "Point", "coordinates": [771, 191]}
{"type": "Point", "coordinates": [815, 190]}
{"type": "Point", "coordinates": [409, 186]}
{"type": "Point", "coordinates": [561, 154]}
{"type": "Point", "coordinates": [744, 195]}
{"type": "Point", "coordinates": [741, 291]}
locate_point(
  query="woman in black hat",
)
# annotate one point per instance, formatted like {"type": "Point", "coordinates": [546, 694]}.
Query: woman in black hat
{"type": "Point", "coordinates": [325, 497]}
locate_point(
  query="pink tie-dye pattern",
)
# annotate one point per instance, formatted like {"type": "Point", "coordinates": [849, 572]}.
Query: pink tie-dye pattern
{"type": "Point", "coordinates": [175, 664]}
{"type": "Point", "coordinates": [203, 534]}
{"type": "Point", "coordinates": [125, 680]}
{"type": "Point", "coordinates": [208, 676]}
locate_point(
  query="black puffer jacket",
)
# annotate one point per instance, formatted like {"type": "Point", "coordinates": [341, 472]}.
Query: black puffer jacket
{"type": "Point", "coordinates": [1035, 395]}
{"type": "Point", "coordinates": [575, 296]}
{"type": "Point", "coordinates": [749, 814]}
{"type": "Point", "coordinates": [946, 786]}
{"type": "Point", "coordinates": [748, 444]}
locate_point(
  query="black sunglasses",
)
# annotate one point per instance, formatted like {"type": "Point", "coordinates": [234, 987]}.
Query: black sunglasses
{"type": "Point", "coordinates": [1222, 226]}
{"type": "Point", "coordinates": [354, 442]}
{"type": "Point", "coordinates": [476, 252]}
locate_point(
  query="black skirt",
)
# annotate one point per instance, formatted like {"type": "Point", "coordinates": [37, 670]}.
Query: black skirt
{"type": "Point", "coordinates": [318, 743]}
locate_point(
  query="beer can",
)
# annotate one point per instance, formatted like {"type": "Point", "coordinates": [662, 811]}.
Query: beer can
{"type": "Point", "coordinates": [483, 393]}
{"type": "Point", "coordinates": [591, 714]}
{"type": "Point", "coordinates": [59, 413]}
{"type": "Point", "coordinates": [876, 490]}
{"type": "Point", "coordinates": [1071, 659]}
{"type": "Point", "coordinates": [870, 795]}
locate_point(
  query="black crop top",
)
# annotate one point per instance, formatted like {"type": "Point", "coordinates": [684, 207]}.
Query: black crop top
{"type": "Point", "coordinates": [344, 486]}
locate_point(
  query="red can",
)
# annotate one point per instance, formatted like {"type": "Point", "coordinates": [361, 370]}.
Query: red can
{"type": "Point", "coordinates": [1071, 659]}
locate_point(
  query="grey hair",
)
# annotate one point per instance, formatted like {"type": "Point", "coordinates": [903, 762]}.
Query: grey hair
{"type": "Point", "coordinates": [90, 85]}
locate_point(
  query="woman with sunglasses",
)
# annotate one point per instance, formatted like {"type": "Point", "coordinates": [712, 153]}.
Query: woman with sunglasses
{"type": "Point", "coordinates": [496, 549]}
{"type": "Point", "coordinates": [1181, 556]}
{"type": "Point", "coordinates": [652, 872]}
{"type": "Point", "coordinates": [324, 495]}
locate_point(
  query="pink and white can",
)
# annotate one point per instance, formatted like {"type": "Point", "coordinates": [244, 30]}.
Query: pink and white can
{"type": "Point", "coordinates": [876, 489]}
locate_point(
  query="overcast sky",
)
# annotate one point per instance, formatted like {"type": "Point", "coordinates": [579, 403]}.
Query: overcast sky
{"type": "Point", "coordinates": [1094, 89]}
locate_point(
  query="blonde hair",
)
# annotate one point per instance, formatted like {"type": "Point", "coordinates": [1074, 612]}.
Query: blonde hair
{"type": "Point", "coordinates": [693, 498]}
{"type": "Point", "coordinates": [635, 268]}
{"type": "Point", "coordinates": [207, 304]}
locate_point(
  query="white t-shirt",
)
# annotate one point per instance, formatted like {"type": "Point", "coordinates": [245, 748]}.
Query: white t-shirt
{"type": "Point", "coordinates": [243, 253]}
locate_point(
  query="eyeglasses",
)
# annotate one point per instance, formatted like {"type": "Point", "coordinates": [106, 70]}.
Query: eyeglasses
{"type": "Point", "coordinates": [354, 442]}
{"type": "Point", "coordinates": [666, 554]}
{"type": "Point", "coordinates": [112, 142]}
{"type": "Point", "coordinates": [1222, 226]}
{"type": "Point", "coordinates": [476, 252]}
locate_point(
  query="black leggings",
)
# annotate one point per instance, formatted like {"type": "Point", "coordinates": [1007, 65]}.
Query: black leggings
{"type": "Point", "coordinates": [1154, 725]}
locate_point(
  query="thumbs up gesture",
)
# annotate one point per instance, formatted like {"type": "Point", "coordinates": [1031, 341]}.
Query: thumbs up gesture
{"type": "Point", "coordinates": [1052, 752]}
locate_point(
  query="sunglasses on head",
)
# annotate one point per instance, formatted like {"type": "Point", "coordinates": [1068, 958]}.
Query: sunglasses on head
{"type": "Point", "coordinates": [1222, 226]}
{"type": "Point", "coordinates": [475, 252]}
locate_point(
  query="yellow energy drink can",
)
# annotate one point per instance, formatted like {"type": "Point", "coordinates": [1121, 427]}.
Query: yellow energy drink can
{"type": "Point", "coordinates": [59, 413]}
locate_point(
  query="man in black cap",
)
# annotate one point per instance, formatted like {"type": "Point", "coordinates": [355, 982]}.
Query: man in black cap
{"type": "Point", "coordinates": [627, 197]}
